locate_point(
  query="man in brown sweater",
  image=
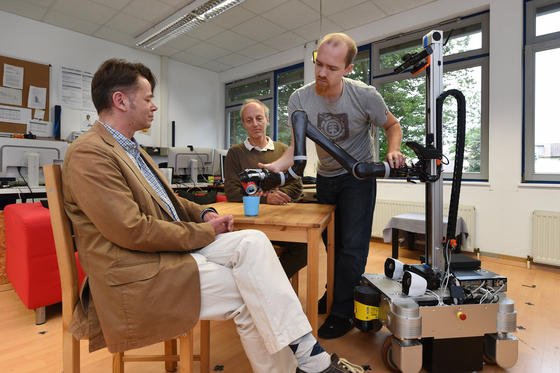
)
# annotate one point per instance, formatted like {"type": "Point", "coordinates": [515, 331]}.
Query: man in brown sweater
{"type": "Point", "coordinates": [259, 148]}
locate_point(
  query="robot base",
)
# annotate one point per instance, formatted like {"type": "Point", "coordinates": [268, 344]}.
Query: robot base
{"type": "Point", "coordinates": [443, 338]}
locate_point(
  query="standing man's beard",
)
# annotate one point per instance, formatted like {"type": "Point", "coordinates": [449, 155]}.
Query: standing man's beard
{"type": "Point", "coordinates": [321, 86]}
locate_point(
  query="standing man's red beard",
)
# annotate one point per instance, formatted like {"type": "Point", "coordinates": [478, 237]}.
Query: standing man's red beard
{"type": "Point", "coordinates": [321, 86]}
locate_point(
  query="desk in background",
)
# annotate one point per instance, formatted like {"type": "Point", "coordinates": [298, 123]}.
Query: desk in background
{"type": "Point", "coordinates": [416, 223]}
{"type": "Point", "coordinates": [294, 222]}
{"type": "Point", "coordinates": [11, 195]}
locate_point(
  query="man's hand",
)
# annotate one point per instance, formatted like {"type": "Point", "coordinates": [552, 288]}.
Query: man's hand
{"type": "Point", "coordinates": [220, 223]}
{"type": "Point", "coordinates": [277, 197]}
{"type": "Point", "coordinates": [395, 159]}
{"type": "Point", "coordinates": [272, 167]}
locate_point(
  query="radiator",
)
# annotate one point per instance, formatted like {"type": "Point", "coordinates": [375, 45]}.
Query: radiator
{"type": "Point", "coordinates": [386, 209]}
{"type": "Point", "coordinates": [546, 237]}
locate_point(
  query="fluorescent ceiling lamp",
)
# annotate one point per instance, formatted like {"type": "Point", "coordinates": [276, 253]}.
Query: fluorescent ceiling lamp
{"type": "Point", "coordinates": [186, 19]}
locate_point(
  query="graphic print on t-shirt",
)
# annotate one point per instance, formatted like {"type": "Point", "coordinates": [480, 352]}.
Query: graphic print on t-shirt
{"type": "Point", "coordinates": [334, 126]}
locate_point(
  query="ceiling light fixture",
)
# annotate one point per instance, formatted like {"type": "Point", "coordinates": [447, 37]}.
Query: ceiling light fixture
{"type": "Point", "coordinates": [186, 19]}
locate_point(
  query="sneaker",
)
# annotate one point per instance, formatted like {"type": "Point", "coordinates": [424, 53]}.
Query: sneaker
{"type": "Point", "coordinates": [322, 304]}
{"type": "Point", "coordinates": [335, 327]}
{"type": "Point", "coordinates": [339, 365]}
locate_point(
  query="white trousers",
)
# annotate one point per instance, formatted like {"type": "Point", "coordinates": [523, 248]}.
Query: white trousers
{"type": "Point", "coordinates": [241, 279]}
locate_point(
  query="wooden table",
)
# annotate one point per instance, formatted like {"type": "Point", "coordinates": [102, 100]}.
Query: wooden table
{"type": "Point", "coordinates": [294, 222]}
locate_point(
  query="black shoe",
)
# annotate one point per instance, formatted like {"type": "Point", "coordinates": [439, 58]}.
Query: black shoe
{"type": "Point", "coordinates": [339, 365]}
{"type": "Point", "coordinates": [322, 304]}
{"type": "Point", "coordinates": [335, 327]}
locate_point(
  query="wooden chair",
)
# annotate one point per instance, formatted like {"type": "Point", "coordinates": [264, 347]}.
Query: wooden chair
{"type": "Point", "coordinates": [70, 288]}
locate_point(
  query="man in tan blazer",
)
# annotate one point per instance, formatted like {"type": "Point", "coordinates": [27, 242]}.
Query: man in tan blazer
{"type": "Point", "coordinates": [157, 263]}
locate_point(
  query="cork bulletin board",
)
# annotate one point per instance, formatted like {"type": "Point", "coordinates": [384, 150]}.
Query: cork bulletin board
{"type": "Point", "coordinates": [24, 93]}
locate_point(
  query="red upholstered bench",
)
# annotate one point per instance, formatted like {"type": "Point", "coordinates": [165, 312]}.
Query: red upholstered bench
{"type": "Point", "coordinates": [31, 263]}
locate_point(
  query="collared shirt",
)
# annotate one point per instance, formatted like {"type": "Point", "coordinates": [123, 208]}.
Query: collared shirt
{"type": "Point", "coordinates": [269, 145]}
{"type": "Point", "coordinates": [131, 148]}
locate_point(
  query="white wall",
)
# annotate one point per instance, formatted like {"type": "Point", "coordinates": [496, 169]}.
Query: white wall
{"type": "Point", "coordinates": [503, 204]}
{"type": "Point", "coordinates": [39, 42]}
{"type": "Point", "coordinates": [196, 105]}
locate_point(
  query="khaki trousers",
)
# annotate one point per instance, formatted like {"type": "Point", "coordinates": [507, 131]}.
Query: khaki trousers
{"type": "Point", "coordinates": [242, 279]}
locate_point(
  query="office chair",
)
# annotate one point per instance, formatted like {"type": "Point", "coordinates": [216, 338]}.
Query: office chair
{"type": "Point", "coordinates": [64, 245]}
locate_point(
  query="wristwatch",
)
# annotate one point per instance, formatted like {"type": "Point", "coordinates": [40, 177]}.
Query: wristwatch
{"type": "Point", "coordinates": [206, 210]}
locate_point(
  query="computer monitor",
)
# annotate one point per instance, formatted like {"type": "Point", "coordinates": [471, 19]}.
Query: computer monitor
{"type": "Point", "coordinates": [188, 161]}
{"type": "Point", "coordinates": [29, 156]}
{"type": "Point", "coordinates": [219, 158]}
{"type": "Point", "coordinates": [223, 167]}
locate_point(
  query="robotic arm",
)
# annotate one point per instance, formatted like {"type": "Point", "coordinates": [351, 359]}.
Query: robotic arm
{"type": "Point", "coordinates": [252, 179]}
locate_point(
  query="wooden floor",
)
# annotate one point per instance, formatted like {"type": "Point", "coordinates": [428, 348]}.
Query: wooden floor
{"type": "Point", "coordinates": [26, 347]}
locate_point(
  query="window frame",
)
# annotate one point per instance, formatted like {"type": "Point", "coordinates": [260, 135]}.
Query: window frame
{"type": "Point", "coordinates": [533, 45]}
{"type": "Point", "coordinates": [476, 57]}
{"type": "Point", "coordinates": [277, 73]}
{"type": "Point", "coordinates": [231, 106]}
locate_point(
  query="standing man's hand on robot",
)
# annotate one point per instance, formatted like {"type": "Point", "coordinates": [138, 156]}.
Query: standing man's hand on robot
{"type": "Point", "coordinates": [395, 159]}
{"type": "Point", "coordinates": [270, 167]}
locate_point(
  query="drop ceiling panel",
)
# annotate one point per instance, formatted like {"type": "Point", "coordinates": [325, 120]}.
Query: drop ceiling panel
{"type": "Point", "coordinates": [42, 3]}
{"type": "Point", "coordinates": [315, 30]}
{"type": "Point", "coordinates": [258, 50]}
{"type": "Point", "coordinates": [232, 17]}
{"type": "Point", "coordinates": [166, 50]}
{"type": "Point", "coordinates": [115, 36]}
{"type": "Point", "coordinates": [115, 4]}
{"type": "Point", "coordinates": [234, 59]}
{"type": "Point", "coordinates": [260, 6]}
{"type": "Point", "coordinates": [398, 6]}
{"type": "Point", "coordinates": [86, 11]}
{"type": "Point", "coordinates": [69, 22]}
{"type": "Point", "coordinates": [205, 31]}
{"type": "Point", "coordinates": [259, 29]}
{"type": "Point", "coordinates": [231, 41]}
{"type": "Point", "coordinates": [216, 66]}
{"type": "Point", "coordinates": [23, 9]}
{"type": "Point", "coordinates": [183, 42]}
{"type": "Point", "coordinates": [190, 59]}
{"type": "Point", "coordinates": [128, 24]}
{"type": "Point", "coordinates": [208, 51]}
{"type": "Point", "coordinates": [178, 4]}
{"type": "Point", "coordinates": [150, 10]}
{"type": "Point", "coordinates": [333, 6]}
{"type": "Point", "coordinates": [285, 41]}
{"type": "Point", "coordinates": [292, 14]}
{"type": "Point", "coordinates": [358, 15]}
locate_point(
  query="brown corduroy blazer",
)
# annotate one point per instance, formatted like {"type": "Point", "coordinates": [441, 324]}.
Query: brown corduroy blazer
{"type": "Point", "coordinates": [141, 279]}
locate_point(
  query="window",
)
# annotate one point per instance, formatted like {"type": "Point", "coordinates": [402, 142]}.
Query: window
{"type": "Point", "coordinates": [361, 65]}
{"type": "Point", "coordinates": [287, 81]}
{"type": "Point", "coordinates": [274, 89]}
{"type": "Point", "coordinates": [465, 68]}
{"type": "Point", "coordinates": [259, 87]}
{"type": "Point", "coordinates": [541, 123]}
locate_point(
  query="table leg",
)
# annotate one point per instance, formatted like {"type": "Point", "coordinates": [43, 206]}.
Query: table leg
{"type": "Point", "coordinates": [330, 263]}
{"type": "Point", "coordinates": [313, 237]}
{"type": "Point", "coordinates": [395, 243]}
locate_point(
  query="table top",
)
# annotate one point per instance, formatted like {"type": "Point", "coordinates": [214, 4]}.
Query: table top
{"type": "Point", "coordinates": [22, 189]}
{"type": "Point", "coordinates": [305, 215]}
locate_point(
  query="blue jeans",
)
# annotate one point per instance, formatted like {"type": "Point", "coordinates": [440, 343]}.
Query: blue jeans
{"type": "Point", "coordinates": [355, 202]}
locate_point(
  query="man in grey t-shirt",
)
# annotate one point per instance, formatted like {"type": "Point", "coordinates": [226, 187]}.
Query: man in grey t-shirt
{"type": "Point", "coordinates": [344, 110]}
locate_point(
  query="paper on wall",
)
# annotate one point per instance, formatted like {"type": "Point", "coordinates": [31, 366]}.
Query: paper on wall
{"type": "Point", "coordinates": [10, 96]}
{"type": "Point", "coordinates": [37, 98]}
{"type": "Point", "coordinates": [11, 114]}
{"type": "Point", "coordinates": [40, 128]}
{"type": "Point", "coordinates": [13, 76]}
{"type": "Point", "coordinates": [39, 114]}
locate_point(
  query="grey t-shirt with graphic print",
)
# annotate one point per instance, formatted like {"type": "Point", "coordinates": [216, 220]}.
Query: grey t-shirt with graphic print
{"type": "Point", "coordinates": [346, 122]}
